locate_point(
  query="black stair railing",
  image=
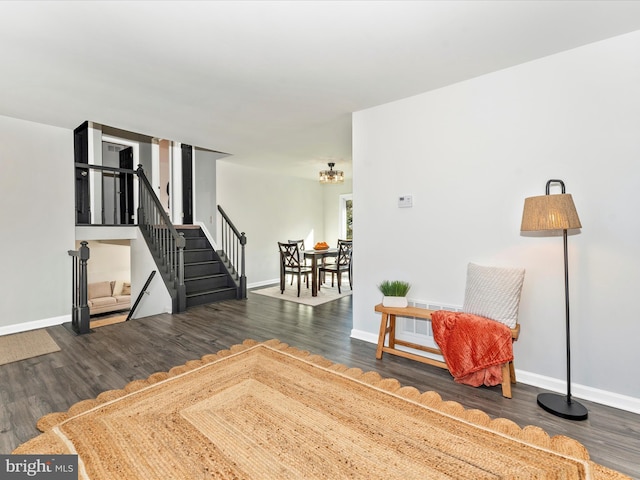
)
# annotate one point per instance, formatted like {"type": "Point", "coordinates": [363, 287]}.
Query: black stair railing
{"type": "Point", "coordinates": [232, 243]}
{"type": "Point", "coordinates": [115, 206]}
{"type": "Point", "coordinates": [163, 236]}
{"type": "Point", "coordinates": [80, 308]}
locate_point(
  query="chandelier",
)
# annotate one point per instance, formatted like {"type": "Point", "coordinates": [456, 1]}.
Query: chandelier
{"type": "Point", "coordinates": [331, 175]}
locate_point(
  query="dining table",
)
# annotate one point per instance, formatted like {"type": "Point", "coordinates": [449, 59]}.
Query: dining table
{"type": "Point", "coordinates": [316, 257]}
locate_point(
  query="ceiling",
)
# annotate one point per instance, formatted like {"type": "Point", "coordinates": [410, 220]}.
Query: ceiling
{"type": "Point", "coordinates": [273, 83]}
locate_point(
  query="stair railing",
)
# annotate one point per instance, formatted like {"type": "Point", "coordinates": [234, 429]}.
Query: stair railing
{"type": "Point", "coordinates": [232, 243]}
{"type": "Point", "coordinates": [114, 202]}
{"type": "Point", "coordinates": [163, 236]}
{"type": "Point", "coordinates": [79, 309]}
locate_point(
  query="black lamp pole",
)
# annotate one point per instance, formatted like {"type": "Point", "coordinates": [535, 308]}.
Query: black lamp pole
{"type": "Point", "coordinates": [561, 405]}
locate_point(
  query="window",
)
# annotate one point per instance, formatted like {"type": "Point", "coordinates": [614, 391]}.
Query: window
{"type": "Point", "coordinates": [346, 217]}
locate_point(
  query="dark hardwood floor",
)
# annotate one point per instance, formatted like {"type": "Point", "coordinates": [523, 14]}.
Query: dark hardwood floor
{"type": "Point", "coordinates": [116, 354]}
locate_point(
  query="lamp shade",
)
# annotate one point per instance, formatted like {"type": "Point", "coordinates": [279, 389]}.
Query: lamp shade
{"type": "Point", "coordinates": [549, 212]}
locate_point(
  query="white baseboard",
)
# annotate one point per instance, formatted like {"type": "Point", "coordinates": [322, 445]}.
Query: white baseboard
{"type": "Point", "coordinates": [364, 336]}
{"type": "Point", "coordinates": [603, 397]}
{"type": "Point", "coordinates": [264, 282]}
{"type": "Point", "coordinates": [611, 399]}
{"type": "Point", "coordinates": [26, 326]}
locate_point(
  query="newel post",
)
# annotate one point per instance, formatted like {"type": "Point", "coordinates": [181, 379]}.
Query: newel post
{"type": "Point", "coordinates": [82, 325]}
{"type": "Point", "coordinates": [243, 277]}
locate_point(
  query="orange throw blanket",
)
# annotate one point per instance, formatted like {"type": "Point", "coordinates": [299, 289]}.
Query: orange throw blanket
{"type": "Point", "coordinates": [473, 347]}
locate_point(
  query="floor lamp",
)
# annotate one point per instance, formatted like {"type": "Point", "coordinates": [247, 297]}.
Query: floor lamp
{"type": "Point", "coordinates": [556, 212]}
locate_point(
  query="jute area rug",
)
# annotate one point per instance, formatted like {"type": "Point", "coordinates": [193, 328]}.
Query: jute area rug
{"type": "Point", "coordinates": [270, 411]}
{"type": "Point", "coordinates": [20, 346]}
{"type": "Point", "coordinates": [325, 294]}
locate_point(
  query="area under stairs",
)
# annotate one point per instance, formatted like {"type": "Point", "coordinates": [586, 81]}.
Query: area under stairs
{"type": "Point", "coordinates": [205, 277]}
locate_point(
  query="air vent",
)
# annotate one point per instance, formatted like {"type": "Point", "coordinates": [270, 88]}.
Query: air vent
{"type": "Point", "coordinates": [418, 326]}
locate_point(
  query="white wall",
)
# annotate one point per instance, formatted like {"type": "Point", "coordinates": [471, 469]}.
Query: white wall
{"type": "Point", "coordinates": [470, 153]}
{"type": "Point", "coordinates": [108, 260]}
{"type": "Point", "coordinates": [157, 298]}
{"type": "Point", "coordinates": [269, 207]}
{"type": "Point", "coordinates": [331, 197]}
{"type": "Point", "coordinates": [36, 162]}
{"type": "Point", "coordinates": [204, 177]}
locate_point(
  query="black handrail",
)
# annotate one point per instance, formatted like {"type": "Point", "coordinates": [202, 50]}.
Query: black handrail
{"type": "Point", "coordinates": [168, 242]}
{"type": "Point", "coordinates": [233, 245]}
{"type": "Point", "coordinates": [105, 168]}
{"type": "Point", "coordinates": [142, 292]}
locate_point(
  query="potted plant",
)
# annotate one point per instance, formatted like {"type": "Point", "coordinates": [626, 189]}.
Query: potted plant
{"type": "Point", "coordinates": [394, 293]}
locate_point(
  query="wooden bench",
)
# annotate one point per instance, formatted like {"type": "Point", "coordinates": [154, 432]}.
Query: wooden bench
{"type": "Point", "coordinates": [388, 330]}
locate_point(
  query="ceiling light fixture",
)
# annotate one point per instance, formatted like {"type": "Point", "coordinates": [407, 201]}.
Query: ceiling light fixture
{"type": "Point", "coordinates": [331, 175]}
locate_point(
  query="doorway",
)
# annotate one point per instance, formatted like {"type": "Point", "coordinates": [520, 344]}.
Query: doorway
{"type": "Point", "coordinates": [187, 184]}
{"type": "Point", "coordinates": [126, 187]}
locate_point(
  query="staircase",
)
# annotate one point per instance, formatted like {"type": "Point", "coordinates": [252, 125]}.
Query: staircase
{"type": "Point", "coordinates": [206, 278]}
{"type": "Point", "coordinates": [192, 270]}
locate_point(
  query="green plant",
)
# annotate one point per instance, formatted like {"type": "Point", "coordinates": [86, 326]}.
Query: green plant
{"type": "Point", "coordinates": [394, 288]}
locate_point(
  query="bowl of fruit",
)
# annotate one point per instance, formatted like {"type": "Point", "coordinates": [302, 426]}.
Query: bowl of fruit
{"type": "Point", "coordinates": [321, 246]}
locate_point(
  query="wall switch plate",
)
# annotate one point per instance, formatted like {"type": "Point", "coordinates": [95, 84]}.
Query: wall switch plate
{"type": "Point", "coordinates": [405, 201]}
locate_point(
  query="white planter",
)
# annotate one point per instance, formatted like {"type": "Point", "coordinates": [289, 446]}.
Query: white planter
{"type": "Point", "coordinates": [397, 302]}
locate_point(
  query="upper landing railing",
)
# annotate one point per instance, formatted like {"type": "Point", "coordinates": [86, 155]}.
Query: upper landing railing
{"type": "Point", "coordinates": [111, 201]}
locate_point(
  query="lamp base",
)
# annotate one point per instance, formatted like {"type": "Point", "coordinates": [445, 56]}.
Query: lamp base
{"type": "Point", "coordinates": [560, 406]}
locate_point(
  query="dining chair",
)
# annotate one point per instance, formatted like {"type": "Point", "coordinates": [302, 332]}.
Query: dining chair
{"type": "Point", "coordinates": [303, 260]}
{"type": "Point", "coordinates": [342, 264]}
{"type": "Point", "coordinates": [326, 261]}
{"type": "Point", "coordinates": [291, 264]}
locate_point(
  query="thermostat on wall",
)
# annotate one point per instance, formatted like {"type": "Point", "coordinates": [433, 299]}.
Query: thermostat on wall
{"type": "Point", "coordinates": [405, 201]}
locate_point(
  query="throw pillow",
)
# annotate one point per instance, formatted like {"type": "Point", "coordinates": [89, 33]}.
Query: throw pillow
{"type": "Point", "coordinates": [126, 288]}
{"type": "Point", "coordinates": [494, 292]}
{"type": "Point", "coordinates": [117, 287]}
